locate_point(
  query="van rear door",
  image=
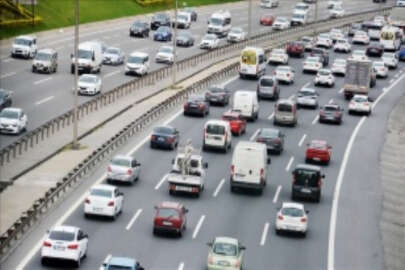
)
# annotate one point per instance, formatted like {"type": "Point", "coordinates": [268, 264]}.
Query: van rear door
{"type": "Point", "coordinates": [248, 165]}
{"type": "Point", "coordinates": [215, 135]}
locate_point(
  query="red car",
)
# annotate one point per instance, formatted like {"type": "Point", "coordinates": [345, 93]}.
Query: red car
{"type": "Point", "coordinates": [296, 49]}
{"type": "Point", "coordinates": [170, 217]}
{"type": "Point", "coordinates": [267, 19]}
{"type": "Point", "coordinates": [237, 123]}
{"type": "Point", "coordinates": [318, 151]}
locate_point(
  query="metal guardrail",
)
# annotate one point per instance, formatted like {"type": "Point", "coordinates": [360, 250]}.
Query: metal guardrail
{"type": "Point", "coordinates": [11, 237]}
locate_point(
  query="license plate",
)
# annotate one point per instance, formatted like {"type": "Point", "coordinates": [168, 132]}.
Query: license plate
{"type": "Point", "coordinates": [316, 159]}
{"type": "Point", "coordinates": [305, 190]}
{"type": "Point", "coordinates": [167, 223]}
{"type": "Point", "coordinates": [239, 174]}
{"type": "Point", "coordinates": [180, 188]}
{"type": "Point", "coordinates": [161, 139]}
{"type": "Point", "coordinates": [291, 228]}
{"type": "Point", "coordinates": [217, 138]}
{"type": "Point", "coordinates": [59, 248]}
{"type": "Point", "coordinates": [97, 209]}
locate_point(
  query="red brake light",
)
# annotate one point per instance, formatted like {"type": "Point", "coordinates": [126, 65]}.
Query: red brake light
{"type": "Point", "coordinates": [288, 74]}
{"type": "Point", "coordinates": [129, 171]}
{"type": "Point", "coordinates": [73, 246]}
{"type": "Point", "coordinates": [232, 169]}
{"type": "Point", "coordinates": [280, 217]}
{"type": "Point", "coordinates": [153, 137]}
{"type": "Point", "coordinates": [111, 203]}
{"type": "Point", "coordinates": [201, 106]}
{"type": "Point", "coordinates": [185, 105]}
{"type": "Point", "coordinates": [321, 112]}
{"type": "Point", "coordinates": [211, 260]}
{"type": "Point", "coordinates": [109, 169]}
{"type": "Point", "coordinates": [47, 244]}
{"type": "Point", "coordinates": [237, 264]}
{"type": "Point", "coordinates": [303, 220]}
{"type": "Point", "coordinates": [170, 140]}
{"type": "Point", "coordinates": [86, 200]}
{"type": "Point", "coordinates": [319, 183]}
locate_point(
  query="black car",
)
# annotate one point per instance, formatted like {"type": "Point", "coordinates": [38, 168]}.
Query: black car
{"type": "Point", "coordinates": [307, 182]}
{"type": "Point", "coordinates": [5, 99]}
{"type": "Point", "coordinates": [218, 95]}
{"type": "Point", "coordinates": [192, 12]}
{"type": "Point", "coordinates": [164, 137]}
{"type": "Point", "coordinates": [196, 105]}
{"type": "Point", "coordinates": [323, 54]}
{"type": "Point", "coordinates": [185, 39]}
{"type": "Point", "coordinates": [353, 28]}
{"type": "Point", "coordinates": [273, 138]}
{"type": "Point", "coordinates": [160, 19]}
{"type": "Point", "coordinates": [375, 49]}
{"type": "Point", "coordinates": [139, 29]}
{"type": "Point", "coordinates": [332, 113]}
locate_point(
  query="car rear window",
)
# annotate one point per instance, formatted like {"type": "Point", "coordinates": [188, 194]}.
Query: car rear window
{"type": "Point", "coordinates": [292, 212]}
{"type": "Point", "coordinates": [304, 177]}
{"type": "Point", "coordinates": [101, 193]}
{"type": "Point", "coordinates": [225, 249]}
{"type": "Point", "coordinates": [284, 108]}
{"type": "Point", "coordinates": [61, 236]}
{"type": "Point", "coordinates": [266, 82]}
{"type": "Point", "coordinates": [215, 129]}
{"type": "Point", "coordinates": [121, 162]}
{"type": "Point", "coordinates": [163, 130]}
{"type": "Point", "coordinates": [330, 108]}
{"type": "Point", "coordinates": [167, 212]}
{"type": "Point", "coordinates": [268, 132]}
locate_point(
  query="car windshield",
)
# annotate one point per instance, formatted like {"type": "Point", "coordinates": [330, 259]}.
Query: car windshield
{"type": "Point", "coordinates": [61, 236]}
{"type": "Point", "coordinates": [84, 54]}
{"type": "Point", "coordinates": [236, 30]}
{"type": "Point", "coordinates": [215, 129]}
{"type": "Point", "coordinates": [163, 130]}
{"type": "Point", "coordinates": [283, 69]}
{"type": "Point", "coordinates": [166, 49]}
{"type": "Point", "coordinates": [22, 41]}
{"type": "Point", "coordinates": [278, 51]}
{"type": "Point", "coordinates": [185, 34]}
{"type": "Point", "coordinates": [9, 114]}
{"type": "Point", "coordinates": [388, 55]}
{"type": "Point", "coordinates": [112, 51]}
{"type": "Point", "coordinates": [360, 53]}
{"type": "Point", "coordinates": [267, 82]}
{"type": "Point", "coordinates": [120, 161]}
{"type": "Point", "coordinates": [216, 21]}
{"type": "Point", "coordinates": [379, 64]}
{"type": "Point", "coordinates": [88, 79]}
{"type": "Point", "coordinates": [42, 56]}
{"type": "Point", "coordinates": [317, 145]}
{"type": "Point", "coordinates": [284, 107]}
{"type": "Point", "coordinates": [136, 60]}
{"type": "Point", "coordinates": [163, 29]}
{"type": "Point", "coordinates": [139, 24]}
{"type": "Point", "coordinates": [101, 192]}
{"type": "Point", "coordinates": [281, 19]}
{"type": "Point", "coordinates": [301, 7]}
{"type": "Point", "coordinates": [225, 249]}
{"type": "Point", "coordinates": [306, 177]}
{"type": "Point", "coordinates": [298, 16]}
{"type": "Point", "coordinates": [167, 212]}
{"type": "Point", "coordinates": [269, 133]}
{"type": "Point", "coordinates": [312, 59]}
{"type": "Point", "coordinates": [306, 39]}
{"type": "Point", "coordinates": [209, 37]}
{"type": "Point", "coordinates": [2, 94]}
{"type": "Point", "coordinates": [119, 267]}
{"type": "Point", "coordinates": [182, 17]}
{"type": "Point", "coordinates": [360, 99]}
{"type": "Point", "coordinates": [292, 212]}
{"type": "Point", "coordinates": [160, 17]}
{"type": "Point", "coordinates": [324, 36]}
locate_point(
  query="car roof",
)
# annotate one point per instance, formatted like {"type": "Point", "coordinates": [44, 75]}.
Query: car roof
{"type": "Point", "coordinates": [103, 187]}
{"type": "Point", "coordinates": [216, 122]}
{"type": "Point", "coordinates": [292, 205]}
{"type": "Point", "coordinates": [139, 54]}
{"type": "Point", "coordinates": [248, 145]}
{"type": "Point", "coordinates": [122, 261]}
{"type": "Point", "coordinates": [47, 51]}
{"type": "Point", "coordinates": [65, 228]}
{"type": "Point", "coordinates": [30, 37]}
{"type": "Point", "coordinates": [307, 89]}
{"type": "Point", "coordinates": [224, 239]}
{"type": "Point", "coordinates": [308, 167]}
{"type": "Point", "coordinates": [172, 205]}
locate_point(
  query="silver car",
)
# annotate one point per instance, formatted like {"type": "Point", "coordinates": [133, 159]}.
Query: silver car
{"type": "Point", "coordinates": [113, 56]}
{"type": "Point", "coordinates": [123, 169]}
{"type": "Point", "coordinates": [307, 97]}
{"type": "Point", "coordinates": [380, 69]}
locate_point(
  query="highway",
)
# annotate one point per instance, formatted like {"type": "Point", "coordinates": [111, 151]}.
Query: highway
{"type": "Point", "coordinates": [44, 96]}
{"type": "Point", "coordinates": [250, 218]}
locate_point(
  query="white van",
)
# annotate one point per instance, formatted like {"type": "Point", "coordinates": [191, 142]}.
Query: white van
{"type": "Point", "coordinates": [246, 102]}
{"type": "Point", "coordinates": [24, 46]}
{"type": "Point", "coordinates": [299, 18]}
{"type": "Point", "coordinates": [249, 166]}
{"type": "Point", "coordinates": [302, 8]}
{"type": "Point", "coordinates": [217, 135]}
{"type": "Point", "coordinates": [90, 58]}
{"type": "Point", "coordinates": [220, 23]}
{"type": "Point", "coordinates": [183, 20]}
{"type": "Point", "coordinates": [252, 62]}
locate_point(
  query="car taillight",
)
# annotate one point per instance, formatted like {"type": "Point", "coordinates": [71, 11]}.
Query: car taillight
{"type": "Point", "coordinates": [86, 200]}
{"type": "Point", "coordinates": [277, 140]}
{"type": "Point", "coordinates": [280, 217]}
{"type": "Point", "coordinates": [109, 169]}
{"type": "Point", "coordinates": [153, 137]}
{"type": "Point", "coordinates": [201, 107]}
{"type": "Point", "coordinates": [337, 113]}
{"type": "Point", "coordinates": [47, 244]}
{"type": "Point", "coordinates": [237, 264]}
{"type": "Point", "coordinates": [366, 103]}
{"type": "Point", "coordinates": [211, 260]}
{"type": "Point", "coordinates": [129, 171]}
{"type": "Point", "coordinates": [259, 140]}
{"type": "Point", "coordinates": [185, 105]}
{"type": "Point", "coordinates": [73, 246]}
{"type": "Point", "coordinates": [303, 220]}
{"type": "Point", "coordinates": [170, 140]}
{"type": "Point", "coordinates": [288, 75]}
{"type": "Point", "coordinates": [110, 203]}
{"type": "Point", "coordinates": [232, 169]}
{"type": "Point", "coordinates": [261, 174]}
{"type": "Point", "coordinates": [319, 183]}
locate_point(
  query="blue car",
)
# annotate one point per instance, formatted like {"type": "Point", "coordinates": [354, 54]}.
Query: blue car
{"type": "Point", "coordinates": [122, 263]}
{"type": "Point", "coordinates": [163, 33]}
{"type": "Point", "coordinates": [164, 137]}
{"type": "Point", "coordinates": [401, 54]}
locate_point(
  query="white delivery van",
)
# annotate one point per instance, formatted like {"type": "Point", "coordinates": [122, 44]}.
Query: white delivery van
{"type": "Point", "coordinates": [252, 62]}
{"type": "Point", "coordinates": [24, 46]}
{"type": "Point", "coordinates": [90, 58]}
{"type": "Point", "coordinates": [220, 23]}
{"type": "Point", "coordinates": [299, 18]}
{"type": "Point", "coordinates": [246, 103]}
{"type": "Point", "coordinates": [249, 166]}
{"type": "Point", "coordinates": [217, 135]}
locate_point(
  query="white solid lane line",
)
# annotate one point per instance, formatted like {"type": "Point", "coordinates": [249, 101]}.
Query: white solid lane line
{"type": "Point", "coordinates": [264, 234]}
{"type": "Point", "coordinates": [302, 140]}
{"type": "Point", "coordinates": [105, 261]}
{"type": "Point", "coordinates": [7, 75]}
{"type": "Point", "coordinates": [271, 116]}
{"type": "Point", "coordinates": [290, 162]}
{"type": "Point", "coordinates": [341, 90]}
{"type": "Point", "coordinates": [111, 74]}
{"type": "Point", "coordinates": [254, 135]}
{"type": "Point", "coordinates": [198, 227]}
{"type": "Point", "coordinates": [161, 182]}
{"type": "Point", "coordinates": [42, 80]}
{"type": "Point", "coordinates": [133, 219]}
{"type": "Point", "coordinates": [277, 194]}
{"type": "Point", "coordinates": [42, 101]}
{"type": "Point", "coordinates": [221, 183]}
{"type": "Point", "coordinates": [315, 120]}
{"type": "Point", "coordinates": [181, 266]}
{"type": "Point", "coordinates": [331, 101]}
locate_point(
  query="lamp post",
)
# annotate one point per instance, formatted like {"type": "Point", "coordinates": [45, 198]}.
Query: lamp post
{"type": "Point", "coordinates": [174, 66]}
{"type": "Point", "coordinates": [249, 20]}
{"type": "Point", "coordinates": [75, 144]}
{"type": "Point", "coordinates": [316, 15]}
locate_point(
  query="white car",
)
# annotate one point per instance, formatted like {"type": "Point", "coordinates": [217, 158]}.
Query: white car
{"type": "Point", "coordinates": [400, 3]}
{"type": "Point", "coordinates": [64, 242]}
{"type": "Point", "coordinates": [390, 60]}
{"type": "Point", "coordinates": [359, 55]}
{"type": "Point", "coordinates": [137, 63]}
{"type": "Point", "coordinates": [24, 46]}
{"type": "Point", "coordinates": [381, 19]}
{"type": "Point", "coordinates": [336, 12]}
{"type": "Point", "coordinates": [236, 35]}
{"type": "Point", "coordinates": [113, 56]}
{"type": "Point", "coordinates": [380, 69]}
{"type": "Point", "coordinates": [210, 41]}
{"type": "Point", "coordinates": [285, 74]}
{"type": "Point", "coordinates": [269, 3]}
{"type": "Point", "coordinates": [325, 77]}
{"type": "Point", "coordinates": [89, 84]}
{"type": "Point", "coordinates": [292, 217]}
{"type": "Point", "coordinates": [333, 3]}
{"type": "Point", "coordinates": [309, 42]}
{"type": "Point", "coordinates": [281, 23]}
{"type": "Point", "coordinates": [360, 104]}
{"type": "Point", "coordinates": [301, 8]}
{"type": "Point", "coordinates": [342, 45]}
{"type": "Point", "coordinates": [278, 56]}
{"type": "Point", "coordinates": [336, 34]}
{"type": "Point", "coordinates": [165, 55]}
{"type": "Point", "coordinates": [13, 121]}
{"type": "Point", "coordinates": [125, 169]}
{"type": "Point", "coordinates": [103, 200]}
{"type": "Point", "coordinates": [361, 37]}
{"type": "Point", "coordinates": [339, 66]}
{"type": "Point", "coordinates": [307, 97]}
{"type": "Point", "coordinates": [323, 40]}
{"type": "Point", "coordinates": [312, 64]}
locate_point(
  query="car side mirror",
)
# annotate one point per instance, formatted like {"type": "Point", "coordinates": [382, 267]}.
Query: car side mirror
{"type": "Point", "coordinates": [93, 58]}
{"type": "Point", "coordinates": [306, 211]}
{"type": "Point", "coordinates": [86, 236]}
{"type": "Point", "coordinates": [186, 210]}
{"type": "Point", "coordinates": [242, 247]}
{"type": "Point", "coordinates": [329, 146]}
{"type": "Point", "coordinates": [71, 55]}
{"type": "Point", "coordinates": [155, 207]}
{"type": "Point", "coordinates": [268, 160]}
{"type": "Point", "coordinates": [173, 161]}
{"type": "Point", "coordinates": [120, 193]}
{"type": "Point", "coordinates": [206, 165]}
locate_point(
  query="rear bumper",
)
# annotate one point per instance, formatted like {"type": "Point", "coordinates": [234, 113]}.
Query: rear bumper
{"type": "Point", "coordinates": [314, 194]}
{"type": "Point", "coordinates": [165, 229]}
{"type": "Point", "coordinates": [244, 185]}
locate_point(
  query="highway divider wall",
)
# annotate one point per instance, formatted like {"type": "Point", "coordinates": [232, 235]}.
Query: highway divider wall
{"type": "Point", "coordinates": [10, 239]}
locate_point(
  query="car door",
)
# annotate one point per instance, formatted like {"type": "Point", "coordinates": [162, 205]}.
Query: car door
{"type": "Point", "coordinates": [82, 241]}
{"type": "Point", "coordinates": [118, 199]}
{"type": "Point", "coordinates": [136, 168]}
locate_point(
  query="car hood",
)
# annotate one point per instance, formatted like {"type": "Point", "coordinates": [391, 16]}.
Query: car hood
{"type": "Point", "coordinates": [21, 47]}
{"type": "Point", "coordinates": [182, 39]}
{"type": "Point", "coordinates": [85, 84]}
{"type": "Point", "coordinates": [40, 62]}
{"type": "Point", "coordinates": [8, 121]}
{"type": "Point", "coordinates": [207, 41]}
{"type": "Point", "coordinates": [135, 65]}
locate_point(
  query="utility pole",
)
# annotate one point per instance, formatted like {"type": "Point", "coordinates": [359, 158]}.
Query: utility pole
{"type": "Point", "coordinates": [250, 21]}
{"type": "Point", "coordinates": [174, 66]}
{"type": "Point", "coordinates": [316, 15]}
{"type": "Point", "coordinates": [75, 144]}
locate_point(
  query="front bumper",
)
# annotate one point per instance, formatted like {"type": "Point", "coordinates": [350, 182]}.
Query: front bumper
{"type": "Point", "coordinates": [9, 129]}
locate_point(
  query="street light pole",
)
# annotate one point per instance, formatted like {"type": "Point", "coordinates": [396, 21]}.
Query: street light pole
{"type": "Point", "coordinates": [174, 66]}
{"type": "Point", "coordinates": [250, 20]}
{"type": "Point", "coordinates": [316, 15]}
{"type": "Point", "coordinates": [75, 144]}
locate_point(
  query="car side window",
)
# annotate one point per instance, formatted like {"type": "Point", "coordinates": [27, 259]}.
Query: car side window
{"type": "Point", "coordinates": [116, 192]}
{"type": "Point", "coordinates": [261, 59]}
{"type": "Point", "coordinates": [80, 235]}
{"type": "Point", "coordinates": [134, 163]}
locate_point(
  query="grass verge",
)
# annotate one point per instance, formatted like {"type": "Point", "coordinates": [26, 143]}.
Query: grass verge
{"type": "Point", "coordinates": [60, 13]}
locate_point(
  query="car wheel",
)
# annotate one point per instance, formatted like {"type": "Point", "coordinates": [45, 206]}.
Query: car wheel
{"type": "Point", "coordinates": [307, 160]}
{"type": "Point", "coordinates": [43, 261]}
{"type": "Point", "coordinates": [233, 189]}
{"type": "Point", "coordinates": [278, 232]}
{"type": "Point", "coordinates": [318, 198]}
{"type": "Point", "coordinates": [304, 234]}
{"type": "Point", "coordinates": [77, 263]}
{"type": "Point", "coordinates": [180, 233]}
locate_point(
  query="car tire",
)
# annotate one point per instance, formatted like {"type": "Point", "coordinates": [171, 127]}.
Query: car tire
{"type": "Point", "coordinates": [304, 234]}
{"type": "Point", "coordinates": [233, 189]}
{"type": "Point", "coordinates": [307, 160]}
{"type": "Point", "coordinates": [278, 232]}
{"type": "Point", "coordinates": [77, 263]}
{"type": "Point", "coordinates": [44, 261]}
{"type": "Point", "coordinates": [86, 215]}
